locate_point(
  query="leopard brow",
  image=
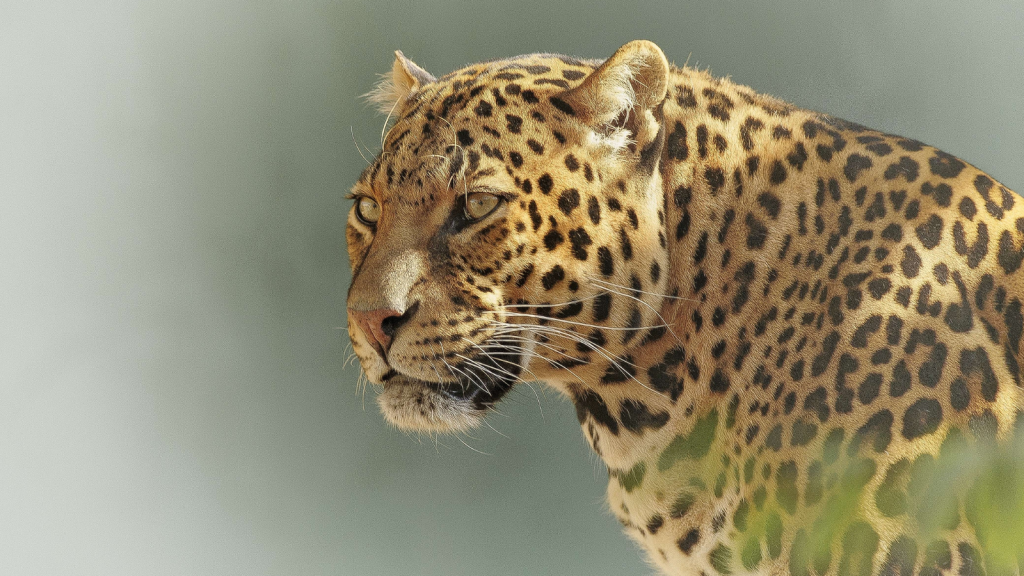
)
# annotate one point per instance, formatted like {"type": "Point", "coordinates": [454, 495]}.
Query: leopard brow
{"type": "Point", "coordinates": [499, 192]}
{"type": "Point", "coordinates": [457, 175]}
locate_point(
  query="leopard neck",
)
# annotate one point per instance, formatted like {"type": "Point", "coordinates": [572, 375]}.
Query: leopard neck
{"type": "Point", "coordinates": [727, 150]}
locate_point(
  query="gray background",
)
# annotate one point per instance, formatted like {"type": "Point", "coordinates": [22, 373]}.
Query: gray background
{"type": "Point", "coordinates": [173, 395]}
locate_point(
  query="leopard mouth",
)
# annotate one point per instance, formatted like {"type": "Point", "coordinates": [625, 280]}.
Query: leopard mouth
{"type": "Point", "coordinates": [421, 405]}
{"type": "Point", "coordinates": [480, 394]}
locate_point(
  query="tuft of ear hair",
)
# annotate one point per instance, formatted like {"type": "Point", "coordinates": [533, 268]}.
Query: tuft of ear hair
{"type": "Point", "coordinates": [394, 88]}
{"type": "Point", "coordinates": [623, 93]}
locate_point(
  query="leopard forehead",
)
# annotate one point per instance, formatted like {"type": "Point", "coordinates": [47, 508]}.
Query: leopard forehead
{"type": "Point", "coordinates": [480, 124]}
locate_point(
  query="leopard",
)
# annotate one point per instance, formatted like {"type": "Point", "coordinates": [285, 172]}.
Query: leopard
{"type": "Point", "coordinates": [790, 339]}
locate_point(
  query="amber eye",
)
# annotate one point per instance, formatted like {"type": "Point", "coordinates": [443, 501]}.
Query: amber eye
{"type": "Point", "coordinates": [367, 210]}
{"type": "Point", "coordinates": [480, 204]}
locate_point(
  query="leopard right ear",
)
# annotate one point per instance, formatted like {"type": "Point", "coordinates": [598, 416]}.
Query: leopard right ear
{"type": "Point", "coordinates": [393, 89]}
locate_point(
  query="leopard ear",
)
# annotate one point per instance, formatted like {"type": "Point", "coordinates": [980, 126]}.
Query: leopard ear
{"type": "Point", "coordinates": [624, 94]}
{"type": "Point", "coordinates": [393, 89]}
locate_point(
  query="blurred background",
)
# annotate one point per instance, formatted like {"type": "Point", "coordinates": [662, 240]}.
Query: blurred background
{"type": "Point", "coordinates": [173, 391]}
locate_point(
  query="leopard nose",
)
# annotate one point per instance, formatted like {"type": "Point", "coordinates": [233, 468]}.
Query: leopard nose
{"type": "Point", "coordinates": [379, 326]}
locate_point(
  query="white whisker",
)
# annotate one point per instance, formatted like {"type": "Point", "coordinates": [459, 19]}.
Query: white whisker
{"type": "Point", "coordinates": [665, 323]}
{"type": "Point", "coordinates": [577, 301]}
{"type": "Point", "coordinates": [598, 349]}
{"type": "Point", "coordinates": [584, 324]}
{"type": "Point", "coordinates": [579, 338]}
{"type": "Point", "coordinates": [358, 149]}
{"type": "Point", "coordinates": [384, 128]}
{"type": "Point", "coordinates": [597, 280]}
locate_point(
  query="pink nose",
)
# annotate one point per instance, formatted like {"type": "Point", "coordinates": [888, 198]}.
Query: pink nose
{"type": "Point", "coordinates": [378, 326]}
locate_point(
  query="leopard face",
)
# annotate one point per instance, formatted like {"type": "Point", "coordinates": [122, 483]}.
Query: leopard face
{"type": "Point", "coordinates": [504, 197]}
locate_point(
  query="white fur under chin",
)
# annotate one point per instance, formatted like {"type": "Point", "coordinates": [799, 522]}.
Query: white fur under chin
{"type": "Point", "coordinates": [414, 407]}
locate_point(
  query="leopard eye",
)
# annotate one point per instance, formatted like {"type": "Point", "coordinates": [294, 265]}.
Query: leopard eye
{"type": "Point", "coordinates": [480, 204]}
{"type": "Point", "coordinates": [367, 210]}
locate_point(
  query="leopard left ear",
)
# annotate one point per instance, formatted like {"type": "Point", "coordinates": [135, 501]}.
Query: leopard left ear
{"type": "Point", "coordinates": [393, 89]}
{"type": "Point", "coordinates": [624, 93]}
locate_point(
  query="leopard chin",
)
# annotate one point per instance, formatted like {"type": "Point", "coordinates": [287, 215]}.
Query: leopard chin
{"type": "Point", "coordinates": [420, 406]}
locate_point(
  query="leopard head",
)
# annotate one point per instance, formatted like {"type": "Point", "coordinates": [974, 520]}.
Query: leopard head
{"type": "Point", "coordinates": [512, 228]}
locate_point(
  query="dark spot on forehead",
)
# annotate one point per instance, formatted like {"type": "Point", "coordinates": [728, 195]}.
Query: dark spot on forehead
{"type": "Point", "coordinates": [568, 201]}
{"type": "Point", "coordinates": [553, 81]}
{"type": "Point", "coordinates": [483, 109]}
{"type": "Point", "coordinates": [546, 183]}
{"type": "Point", "coordinates": [515, 123]}
{"type": "Point", "coordinates": [562, 105]}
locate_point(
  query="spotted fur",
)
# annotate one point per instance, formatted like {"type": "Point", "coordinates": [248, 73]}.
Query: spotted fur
{"type": "Point", "coordinates": [775, 325]}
